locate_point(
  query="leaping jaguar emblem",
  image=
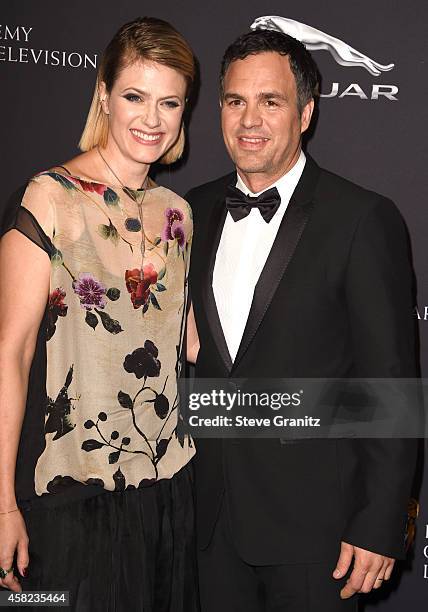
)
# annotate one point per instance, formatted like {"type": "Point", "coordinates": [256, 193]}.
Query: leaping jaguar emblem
{"type": "Point", "coordinates": [314, 39]}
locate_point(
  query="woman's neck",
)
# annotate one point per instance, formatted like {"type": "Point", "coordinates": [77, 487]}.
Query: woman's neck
{"type": "Point", "coordinates": [120, 169]}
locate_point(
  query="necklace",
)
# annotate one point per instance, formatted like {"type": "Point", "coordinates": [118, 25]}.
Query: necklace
{"type": "Point", "coordinates": [130, 221]}
{"type": "Point", "coordinates": [143, 186]}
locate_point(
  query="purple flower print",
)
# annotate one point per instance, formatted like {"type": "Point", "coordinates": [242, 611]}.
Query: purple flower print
{"type": "Point", "coordinates": [90, 291]}
{"type": "Point", "coordinates": [177, 232]}
{"type": "Point", "coordinates": [172, 215]}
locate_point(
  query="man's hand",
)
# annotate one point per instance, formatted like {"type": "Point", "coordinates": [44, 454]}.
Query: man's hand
{"type": "Point", "coordinates": [370, 570]}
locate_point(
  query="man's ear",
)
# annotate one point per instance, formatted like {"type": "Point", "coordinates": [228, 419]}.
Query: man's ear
{"type": "Point", "coordinates": [102, 92]}
{"type": "Point", "coordinates": [306, 116]}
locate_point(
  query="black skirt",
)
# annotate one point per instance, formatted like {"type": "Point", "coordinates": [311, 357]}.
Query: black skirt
{"type": "Point", "coordinates": [130, 551]}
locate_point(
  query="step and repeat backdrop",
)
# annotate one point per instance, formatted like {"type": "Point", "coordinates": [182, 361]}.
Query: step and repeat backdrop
{"type": "Point", "coordinates": [371, 126]}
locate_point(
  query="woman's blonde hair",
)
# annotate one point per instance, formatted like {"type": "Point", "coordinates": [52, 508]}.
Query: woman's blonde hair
{"type": "Point", "coordinates": [144, 39]}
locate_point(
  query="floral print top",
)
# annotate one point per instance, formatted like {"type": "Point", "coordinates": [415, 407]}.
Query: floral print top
{"type": "Point", "coordinates": [112, 332]}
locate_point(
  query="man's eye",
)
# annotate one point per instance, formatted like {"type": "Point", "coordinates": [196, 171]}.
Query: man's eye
{"type": "Point", "coordinates": [271, 103]}
{"type": "Point", "coordinates": [133, 98]}
{"type": "Point", "coordinates": [235, 102]}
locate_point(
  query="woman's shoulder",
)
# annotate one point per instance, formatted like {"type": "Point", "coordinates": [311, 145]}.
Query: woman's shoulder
{"type": "Point", "coordinates": [46, 193]}
{"type": "Point", "coordinates": [33, 205]}
{"type": "Point", "coordinates": [63, 177]}
{"type": "Point", "coordinates": [170, 200]}
{"type": "Point", "coordinates": [49, 182]}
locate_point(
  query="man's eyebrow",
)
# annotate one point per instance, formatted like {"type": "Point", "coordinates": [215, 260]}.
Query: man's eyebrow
{"type": "Point", "coordinates": [264, 95]}
{"type": "Point", "coordinates": [233, 96]}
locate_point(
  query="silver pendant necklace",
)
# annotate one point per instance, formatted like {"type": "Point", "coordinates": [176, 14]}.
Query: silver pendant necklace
{"type": "Point", "coordinates": [131, 193]}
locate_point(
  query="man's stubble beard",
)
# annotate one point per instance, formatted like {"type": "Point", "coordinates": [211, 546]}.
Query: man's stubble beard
{"type": "Point", "coordinates": [255, 167]}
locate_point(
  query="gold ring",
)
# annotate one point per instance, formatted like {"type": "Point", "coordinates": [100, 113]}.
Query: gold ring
{"type": "Point", "coordinates": [4, 573]}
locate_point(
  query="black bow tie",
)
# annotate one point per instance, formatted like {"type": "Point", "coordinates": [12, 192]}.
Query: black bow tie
{"type": "Point", "coordinates": [240, 205]}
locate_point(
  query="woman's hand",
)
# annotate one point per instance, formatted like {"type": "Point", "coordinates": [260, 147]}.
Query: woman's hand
{"type": "Point", "coordinates": [13, 537]}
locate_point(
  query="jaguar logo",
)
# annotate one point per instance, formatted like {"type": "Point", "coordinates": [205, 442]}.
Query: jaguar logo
{"type": "Point", "coordinates": [314, 39]}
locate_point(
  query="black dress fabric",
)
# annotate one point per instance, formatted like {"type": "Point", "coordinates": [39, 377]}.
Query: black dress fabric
{"type": "Point", "coordinates": [130, 551]}
{"type": "Point", "coordinates": [24, 221]}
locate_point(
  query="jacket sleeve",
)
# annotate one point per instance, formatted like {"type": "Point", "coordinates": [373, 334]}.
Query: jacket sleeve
{"type": "Point", "coordinates": [379, 296]}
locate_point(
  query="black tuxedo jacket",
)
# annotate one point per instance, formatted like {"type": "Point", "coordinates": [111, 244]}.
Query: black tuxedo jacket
{"type": "Point", "coordinates": [333, 300]}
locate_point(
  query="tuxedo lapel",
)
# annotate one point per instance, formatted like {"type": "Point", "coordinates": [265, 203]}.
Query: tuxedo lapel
{"type": "Point", "coordinates": [214, 231]}
{"type": "Point", "coordinates": [289, 233]}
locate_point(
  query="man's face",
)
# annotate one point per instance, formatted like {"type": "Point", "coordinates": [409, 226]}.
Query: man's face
{"type": "Point", "coordinates": [260, 119]}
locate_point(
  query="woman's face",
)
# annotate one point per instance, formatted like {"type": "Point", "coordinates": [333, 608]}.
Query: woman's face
{"type": "Point", "coordinates": [145, 107]}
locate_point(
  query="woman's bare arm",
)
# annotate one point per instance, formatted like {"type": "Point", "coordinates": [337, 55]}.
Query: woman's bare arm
{"type": "Point", "coordinates": [192, 337]}
{"type": "Point", "coordinates": [24, 290]}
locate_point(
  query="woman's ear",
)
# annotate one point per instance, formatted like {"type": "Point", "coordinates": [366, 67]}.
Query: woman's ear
{"type": "Point", "coordinates": [102, 92]}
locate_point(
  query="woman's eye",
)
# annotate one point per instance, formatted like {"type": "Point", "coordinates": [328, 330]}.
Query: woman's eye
{"type": "Point", "coordinates": [171, 104]}
{"type": "Point", "coordinates": [133, 97]}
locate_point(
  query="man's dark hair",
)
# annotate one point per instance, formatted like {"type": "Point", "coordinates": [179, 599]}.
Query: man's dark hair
{"type": "Point", "coordinates": [302, 65]}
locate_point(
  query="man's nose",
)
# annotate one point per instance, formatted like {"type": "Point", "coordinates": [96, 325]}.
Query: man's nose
{"type": "Point", "coordinates": [251, 116]}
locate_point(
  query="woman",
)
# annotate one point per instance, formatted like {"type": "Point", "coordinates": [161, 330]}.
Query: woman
{"type": "Point", "coordinates": [95, 488]}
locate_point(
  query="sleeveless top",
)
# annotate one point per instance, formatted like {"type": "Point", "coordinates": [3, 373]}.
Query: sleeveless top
{"type": "Point", "coordinates": [102, 405]}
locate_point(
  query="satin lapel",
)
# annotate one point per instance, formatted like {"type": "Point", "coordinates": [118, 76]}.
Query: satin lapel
{"type": "Point", "coordinates": [289, 233]}
{"type": "Point", "coordinates": [216, 223]}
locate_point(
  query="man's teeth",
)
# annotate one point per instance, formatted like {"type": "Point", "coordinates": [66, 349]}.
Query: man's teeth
{"type": "Point", "coordinates": [144, 136]}
{"type": "Point", "coordinates": [253, 140]}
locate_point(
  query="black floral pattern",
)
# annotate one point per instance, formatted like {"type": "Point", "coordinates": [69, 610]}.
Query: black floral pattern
{"type": "Point", "coordinates": [60, 483]}
{"type": "Point", "coordinates": [143, 361]}
{"type": "Point", "coordinates": [58, 411]}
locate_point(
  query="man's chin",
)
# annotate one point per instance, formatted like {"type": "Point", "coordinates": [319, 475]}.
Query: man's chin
{"type": "Point", "coordinates": [251, 169]}
{"type": "Point", "coordinates": [245, 163]}
{"type": "Point", "coordinates": [250, 162]}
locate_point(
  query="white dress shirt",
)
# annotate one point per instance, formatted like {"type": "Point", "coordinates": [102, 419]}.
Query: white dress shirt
{"type": "Point", "coordinates": [242, 253]}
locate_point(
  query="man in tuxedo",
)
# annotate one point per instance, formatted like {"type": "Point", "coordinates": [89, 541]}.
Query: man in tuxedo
{"type": "Point", "coordinates": [296, 273]}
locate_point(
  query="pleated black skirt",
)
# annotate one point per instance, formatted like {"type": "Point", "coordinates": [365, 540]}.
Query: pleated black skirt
{"type": "Point", "coordinates": [130, 551]}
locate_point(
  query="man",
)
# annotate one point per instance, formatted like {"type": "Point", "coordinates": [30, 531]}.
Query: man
{"type": "Point", "coordinates": [312, 279]}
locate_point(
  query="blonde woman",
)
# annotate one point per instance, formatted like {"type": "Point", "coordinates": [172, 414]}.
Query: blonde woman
{"type": "Point", "coordinates": [95, 484]}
